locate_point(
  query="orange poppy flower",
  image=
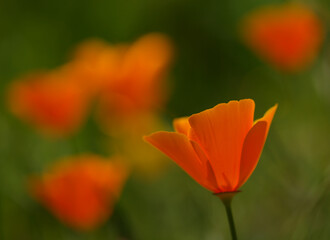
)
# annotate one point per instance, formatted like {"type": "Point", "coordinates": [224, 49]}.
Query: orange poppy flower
{"type": "Point", "coordinates": [80, 191]}
{"type": "Point", "coordinates": [139, 83]}
{"type": "Point", "coordinates": [94, 64]}
{"type": "Point", "coordinates": [288, 36]}
{"type": "Point", "coordinates": [127, 79]}
{"type": "Point", "coordinates": [128, 82]}
{"type": "Point", "coordinates": [49, 101]}
{"type": "Point", "coordinates": [219, 147]}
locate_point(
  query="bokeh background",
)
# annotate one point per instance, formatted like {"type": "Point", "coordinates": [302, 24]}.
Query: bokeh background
{"type": "Point", "coordinates": [287, 196]}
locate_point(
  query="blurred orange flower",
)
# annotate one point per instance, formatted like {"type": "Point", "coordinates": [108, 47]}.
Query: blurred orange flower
{"type": "Point", "coordinates": [219, 147]}
{"type": "Point", "coordinates": [129, 79]}
{"type": "Point", "coordinates": [50, 101]}
{"type": "Point", "coordinates": [94, 64]}
{"type": "Point", "coordinates": [288, 36]}
{"type": "Point", "coordinates": [138, 86]}
{"type": "Point", "coordinates": [128, 84]}
{"type": "Point", "coordinates": [81, 191]}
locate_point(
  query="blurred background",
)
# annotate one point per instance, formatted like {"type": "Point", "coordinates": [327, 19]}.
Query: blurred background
{"type": "Point", "coordinates": [288, 195]}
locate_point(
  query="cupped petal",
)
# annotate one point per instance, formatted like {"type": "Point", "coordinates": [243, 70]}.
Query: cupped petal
{"type": "Point", "coordinates": [208, 172]}
{"type": "Point", "coordinates": [268, 117]}
{"type": "Point", "coordinates": [221, 131]}
{"type": "Point", "coordinates": [180, 149]}
{"type": "Point", "coordinates": [251, 151]}
{"type": "Point", "coordinates": [181, 125]}
{"type": "Point", "coordinates": [253, 145]}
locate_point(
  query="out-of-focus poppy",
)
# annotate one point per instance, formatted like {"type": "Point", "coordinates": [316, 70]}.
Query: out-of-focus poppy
{"type": "Point", "coordinates": [288, 36]}
{"type": "Point", "coordinates": [49, 101]}
{"type": "Point", "coordinates": [139, 86]}
{"type": "Point", "coordinates": [133, 91]}
{"type": "Point", "coordinates": [128, 84]}
{"type": "Point", "coordinates": [81, 191]}
{"type": "Point", "coordinates": [129, 79]}
{"type": "Point", "coordinates": [219, 147]}
{"type": "Point", "coordinates": [94, 64]}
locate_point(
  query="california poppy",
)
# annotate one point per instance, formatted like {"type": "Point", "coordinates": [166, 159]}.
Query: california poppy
{"type": "Point", "coordinates": [81, 191]}
{"type": "Point", "coordinates": [137, 86]}
{"type": "Point", "coordinates": [127, 82]}
{"type": "Point", "coordinates": [133, 93]}
{"type": "Point", "coordinates": [94, 63]}
{"type": "Point", "coordinates": [127, 75]}
{"type": "Point", "coordinates": [49, 101]}
{"type": "Point", "coordinates": [219, 147]}
{"type": "Point", "coordinates": [289, 36]}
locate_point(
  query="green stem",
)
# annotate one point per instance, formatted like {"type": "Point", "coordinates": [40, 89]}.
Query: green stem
{"type": "Point", "coordinates": [226, 199]}
{"type": "Point", "coordinates": [230, 219]}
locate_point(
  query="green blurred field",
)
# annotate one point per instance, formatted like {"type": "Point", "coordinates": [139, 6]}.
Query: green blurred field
{"type": "Point", "coordinates": [287, 196]}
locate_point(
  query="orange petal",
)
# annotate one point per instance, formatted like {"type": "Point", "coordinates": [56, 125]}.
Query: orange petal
{"type": "Point", "coordinates": [208, 171]}
{"type": "Point", "coordinates": [178, 147]}
{"type": "Point", "coordinates": [138, 84]}
{"type": "Point", "coordinates": [268, 117]}
{"type": "Point", "coordinates": [253, 145]}
{"type": "Point", "coordinates": [153, 50]}
{"type": "Point", "coordinates": [221, 131]}
{"type": "Point", "coordinates": [181, 125]}
{"type": "Point", "coordinates": [252, 149]}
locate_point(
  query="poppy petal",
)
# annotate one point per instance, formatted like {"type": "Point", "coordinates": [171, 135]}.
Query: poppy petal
{"type": "Point", "coordinates": [178, 147]}
{"type": "Point", "coordinates": [268, 117]}
{"type": "Point", "coordinates": [207, 168]}
{"type": "Point", "coordinates": [221, 131]}
{"type": "Point", "coordinates": [253, 145]}
{"type": "Point", "coordinates": [181, 125]}
{"type": "Point", "coordinates": [251, 151]}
